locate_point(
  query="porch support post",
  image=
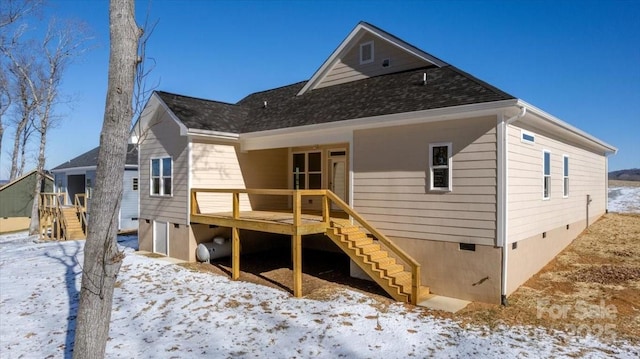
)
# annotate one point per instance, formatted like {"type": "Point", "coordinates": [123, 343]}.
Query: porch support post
{"type": "Point", "coordinates": [296, 244]}
{"type": "Point", "coordinates": [235, 253]}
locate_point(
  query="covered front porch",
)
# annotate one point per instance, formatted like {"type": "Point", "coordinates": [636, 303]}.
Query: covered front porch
{"type": "Point", "coordinates": [387, 264]}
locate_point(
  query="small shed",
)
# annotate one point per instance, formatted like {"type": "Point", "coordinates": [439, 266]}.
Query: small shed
{"type": "Point", "coordinates": [16, 200]}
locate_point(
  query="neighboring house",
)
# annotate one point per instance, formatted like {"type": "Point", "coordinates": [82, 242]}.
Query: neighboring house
{"type": "Point", "coordinates": [16, 201]}
{"type": "Point", "coordinates": [481, 188]}
{"type": "Point", "coordinates": [78, 176]}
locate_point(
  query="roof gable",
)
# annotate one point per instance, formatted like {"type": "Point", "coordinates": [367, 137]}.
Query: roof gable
{"type": "Point", "coordinates": [389, 54]}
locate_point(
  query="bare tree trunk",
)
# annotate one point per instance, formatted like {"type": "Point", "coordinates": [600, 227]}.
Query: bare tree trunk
{"type": "Point", "coordinates": [34, 225]}
{"type": "Point", "coordinates": [102, 259]}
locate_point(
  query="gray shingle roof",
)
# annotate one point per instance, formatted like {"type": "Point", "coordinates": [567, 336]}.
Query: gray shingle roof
{"type": "Point", "coordinates": [381, 95]}
{"type": "Point", "coordinates": [90, 158]}
{"type": "Point", "coordinates": [205, 114]}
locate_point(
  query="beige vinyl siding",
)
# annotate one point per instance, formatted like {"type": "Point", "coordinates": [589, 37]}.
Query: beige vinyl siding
{"type": "Point", "coordinates": [163, 139]}
{"type": "Point", "coordinates": [348, 68]}
{"type": "Point", "coordinates": [216, 165]}
{"type": "Point", "coordinates": [391, 181]}
{"type": "Point", "coordinates": [528, 213]}
{"type": "Point", "coordinates": [220, 165]}
{"type": "Point", "coordinates": [266, 169]}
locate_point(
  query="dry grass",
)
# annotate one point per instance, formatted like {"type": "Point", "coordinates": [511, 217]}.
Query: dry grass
{"type": "Point", "coordinates": [618, 183]}
{"type": "Point", "coordinates": [592, 287]}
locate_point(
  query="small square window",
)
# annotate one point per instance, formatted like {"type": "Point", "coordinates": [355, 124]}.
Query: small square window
{"type": "Point", "coordinates": [366, 53]}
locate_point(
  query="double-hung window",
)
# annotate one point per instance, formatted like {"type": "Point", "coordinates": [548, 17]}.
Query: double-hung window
{"type": "Point", "coordinates": [307, 170]}
{"type": "Point", "coordinates": [161, 176]}
{"type": "Point", "coordinates": [440, 166]}
{"type": "Point", "coordinates": [546, 164]}
{"type": "Point", "coordinates": [565, 176]}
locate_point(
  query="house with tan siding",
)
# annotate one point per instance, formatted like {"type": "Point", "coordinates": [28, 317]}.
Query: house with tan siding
{"type": "Point", "coordinates": [476, 189]}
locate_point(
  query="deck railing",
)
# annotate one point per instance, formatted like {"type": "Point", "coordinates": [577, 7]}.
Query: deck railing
{"type": "Point", "coordinates": [328, 197]}
{"type": "Point", "coordinates": [50, 210]}
{"type": "Point", "coordinates": [80, 203]}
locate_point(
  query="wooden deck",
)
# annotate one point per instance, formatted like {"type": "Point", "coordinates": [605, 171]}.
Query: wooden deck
{"type": "Point", "coordinates": [352, 238]}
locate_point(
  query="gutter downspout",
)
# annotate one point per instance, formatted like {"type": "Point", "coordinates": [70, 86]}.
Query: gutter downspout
{"type": "Point", "coordinates": [503, 176]}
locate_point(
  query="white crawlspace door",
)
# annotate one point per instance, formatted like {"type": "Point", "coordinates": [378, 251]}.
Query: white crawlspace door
{"type": "Point", "coordinates": [161, 237]}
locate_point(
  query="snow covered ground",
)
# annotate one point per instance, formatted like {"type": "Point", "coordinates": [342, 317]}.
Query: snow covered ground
{"type": "Point", "coordinates": [624, 199]}
{"type": "Point", "coordinates": [162, 310]}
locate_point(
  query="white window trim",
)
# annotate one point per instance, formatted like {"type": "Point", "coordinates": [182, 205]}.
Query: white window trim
{"type": "Point", "coordinates": [523, 140]}
{"type": "Point", "coordinates": [565, 179]}
{"type": "Point", "coordinates": [449, 166]}
{"type": "Point", "coordinates": [372, 52]}
{"type": "Point", "coordinates": [161, 194]}
{"type": "Point", "coordinates": [544, 176]}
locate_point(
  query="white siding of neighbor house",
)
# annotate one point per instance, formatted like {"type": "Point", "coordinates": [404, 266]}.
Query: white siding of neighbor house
{"type": "Point", "coordinates": [530, 215]}
{"type": "Point", "coordinates": [391, 181]}
{"type": "Point", "coordinates": [348, 68]}
{"type": "Point", "coordinates": [216, 165]}
{"type": "Point", "coordinates": [163, 139]}
{"type": "Point", "coordinates": [129, 205]}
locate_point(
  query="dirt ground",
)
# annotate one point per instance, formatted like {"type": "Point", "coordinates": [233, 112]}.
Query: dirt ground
{"type": "Point", "coordinates": [592, 287]}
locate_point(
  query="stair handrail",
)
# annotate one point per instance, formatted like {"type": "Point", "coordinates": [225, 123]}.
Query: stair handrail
{"type": "Point", "coordinates": [81, 209]}
{"type": "Point", "coordinates": [415, 266]}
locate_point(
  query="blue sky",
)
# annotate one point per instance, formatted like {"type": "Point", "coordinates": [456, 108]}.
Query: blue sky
{"type": "Point", "coordinates": [578, 60]}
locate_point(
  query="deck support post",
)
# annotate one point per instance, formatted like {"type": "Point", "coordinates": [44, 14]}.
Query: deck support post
{"type": "Point", "coordinates": [296, 245]}
{"type": "Point", "coordinates": [235, 253]}
{"type": "Point", "coordinates": [326, 210]}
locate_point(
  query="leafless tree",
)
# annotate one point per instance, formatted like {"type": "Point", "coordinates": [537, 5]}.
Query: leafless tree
{"type": "Point", "coordinates": [42, 72]}
{"type": "Point", "coordinates": [102, 258]}
{"type": "Point", "coordinates": [11, 12]}
{"type": "Point", "coordinates": [24, 112]}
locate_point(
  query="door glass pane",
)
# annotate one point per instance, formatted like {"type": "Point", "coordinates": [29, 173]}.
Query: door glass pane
{"type": "Point", "coordinates": [315, 181]}
{"type": "Point", "coordinates": [315, 162]}
{"type": "Point", "coordinates": [298, 162]}
{"type": "Point", "coordinates": [338, 180]}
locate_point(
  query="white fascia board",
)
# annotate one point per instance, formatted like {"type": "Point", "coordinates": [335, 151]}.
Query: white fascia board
{"type": "Point", "coordinates": [335, 131]}
{"type": "Point", "coordinates": [355, 34]}
{"type": "Point", "coordinates": [74, 170]}
{"type": "Point", "coordinates": [585, 137]}
{"type": "Point", "coordinates": [196, 133]}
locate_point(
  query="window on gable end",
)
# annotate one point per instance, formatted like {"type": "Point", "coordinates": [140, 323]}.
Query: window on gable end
{"type": "Point", "coordinates": [161, 176]}
{"type": "Point", "coordinates": [366, 53]}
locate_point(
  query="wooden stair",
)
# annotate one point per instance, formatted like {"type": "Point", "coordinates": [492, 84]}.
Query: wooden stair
{"type": "Point", "coordinates": [73, 227]}
{"type": "Point", "coordinates": [374, 260]}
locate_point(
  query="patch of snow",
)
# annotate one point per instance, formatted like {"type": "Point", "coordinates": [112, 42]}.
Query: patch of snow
{"type": "Point", "coordinates": [161, 310]}
{"type": "Point", "coordinates": [624, 199]}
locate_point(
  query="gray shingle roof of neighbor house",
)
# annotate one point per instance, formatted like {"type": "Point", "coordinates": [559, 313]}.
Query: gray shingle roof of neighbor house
{"type": "Point", "coordinates": [375, 96]}
{"type": "Point", "coordinates": [90, 158]}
